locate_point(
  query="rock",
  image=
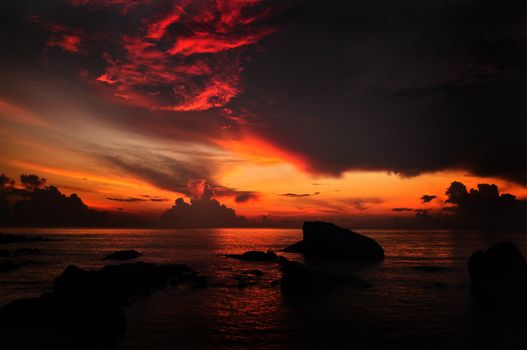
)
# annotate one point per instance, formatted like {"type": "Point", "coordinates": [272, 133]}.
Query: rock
{"type": "Point", "coordinates": [297, 247]}
{"type": "Point", "coordinates": [6, 238]}
{"type": "Point", "coordinates": [299, 279]}
{"type": "Point", "coordinates": [27, 251]}
{"type": "Point", "coordinates": [115, 282]}
{"type": "Point", "coordinates": [123, 255]}
{"type": "Point", "coordinates": [499, 274]}
{"type": "Point", "coordinates": [254, 255]}
{"type": "Point", "coordinates": [85, 306]}
{"type": "Point", "coordinates": [429, 268]}
{"type": "Point", "coordinates": [328, 240]}
{"type": "Point", "coordinates": [51, 321]}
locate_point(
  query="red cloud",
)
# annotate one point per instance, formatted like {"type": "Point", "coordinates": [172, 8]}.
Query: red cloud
{"type": "Point", "coordinates": [157, 29]}
{"type": "Point", "coordinates": [67, 42]}
{"type": "Point", "coordinates": [61, 36]}
{"type": "Point", "coordinates": [203, 42]}
{"type": "Point", "coordinates": [216, 94]}
{"type": "Point", "coordinates": [186, 56]}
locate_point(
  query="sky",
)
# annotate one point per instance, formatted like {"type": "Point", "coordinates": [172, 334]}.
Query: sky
{"type": "Point", "coordinates": [278, 109]}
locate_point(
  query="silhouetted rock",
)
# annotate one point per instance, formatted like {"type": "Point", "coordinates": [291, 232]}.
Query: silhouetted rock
{"type": "Point", "coordinates": [85, 306]}
{"type": "Point", "coordinates": [27, 251]}
{"type": "Point", "coordinates": [326, 239]}
{"type": "Point", "coordinates": [299, 279]}
{"type": "Point", "coordinates": [123, 255]}
{"type": "Point", "coordinates": [298, 247]}
{"type": "Point", "coordinates": [6, 238]}
{"type": "Point", "coordinates": [499, 274]}
{"type": "Point", "coordinates": [52, 321]}
{"type": "Point", "coordinates": [254, 255]}
{"type": "Point", "coordinates": [115, 282]}
{"type": "Point", "coordinates": [429, 268]}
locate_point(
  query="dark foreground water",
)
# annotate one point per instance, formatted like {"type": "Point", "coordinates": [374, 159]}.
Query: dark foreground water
{"type": "Point", "coordinates": [404, 309]}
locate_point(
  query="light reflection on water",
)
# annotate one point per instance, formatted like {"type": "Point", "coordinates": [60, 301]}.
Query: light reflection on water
{"type": "Point", "coordinates": [404, 308]}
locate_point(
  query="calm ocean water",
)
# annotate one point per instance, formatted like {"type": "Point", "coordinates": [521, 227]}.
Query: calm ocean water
{"type": "Point", "coordinates": [404, 309]}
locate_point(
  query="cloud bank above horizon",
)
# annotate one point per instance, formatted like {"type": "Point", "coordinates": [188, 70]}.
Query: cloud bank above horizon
{"type": "Point", "coordinates": [174, 93]}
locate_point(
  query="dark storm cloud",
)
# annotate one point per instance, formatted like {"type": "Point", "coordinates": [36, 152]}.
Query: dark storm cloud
{"type": "Point", "coordinates": [425, 198]}
{"type": "Point", "coordinates": [407, 87]}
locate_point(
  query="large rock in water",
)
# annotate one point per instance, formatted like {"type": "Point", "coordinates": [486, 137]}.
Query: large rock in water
{"type": "Point", "coordinates": [499, 274]}
{"type": "Point", "coordinates": [326, 239]}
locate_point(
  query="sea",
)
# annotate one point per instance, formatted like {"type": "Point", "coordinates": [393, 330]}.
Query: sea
{"type": "Point", "coordinates": [405, 307]}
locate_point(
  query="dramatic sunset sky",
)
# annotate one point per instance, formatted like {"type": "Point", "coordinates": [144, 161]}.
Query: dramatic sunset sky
{"type": "Point", "coordinates": [288, 109]}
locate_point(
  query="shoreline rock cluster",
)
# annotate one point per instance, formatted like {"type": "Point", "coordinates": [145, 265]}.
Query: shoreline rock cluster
{"type": "Point", "coordinates": [85, 305]}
